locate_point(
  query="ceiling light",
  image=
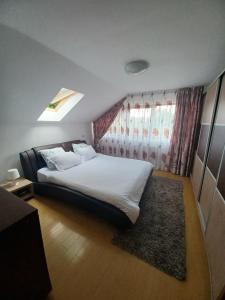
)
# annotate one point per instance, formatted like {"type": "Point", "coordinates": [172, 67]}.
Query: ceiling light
{"type": "Point", "coordinates": [136, 66]}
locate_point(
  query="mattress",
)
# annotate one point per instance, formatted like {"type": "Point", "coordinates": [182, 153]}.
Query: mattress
{"type": "Point", "coordinates": [115, 180]}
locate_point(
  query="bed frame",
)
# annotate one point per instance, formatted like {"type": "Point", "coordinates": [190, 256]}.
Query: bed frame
{"type": "Point", "coordinates": [32, 161]}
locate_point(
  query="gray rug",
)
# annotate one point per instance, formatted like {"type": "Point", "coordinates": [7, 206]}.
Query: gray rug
{"type": "Point", "coordinates": [158, 237]}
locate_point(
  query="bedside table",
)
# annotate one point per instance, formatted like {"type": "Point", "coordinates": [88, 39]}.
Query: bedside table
{"type": "Point", "coordinates": [22, 189]}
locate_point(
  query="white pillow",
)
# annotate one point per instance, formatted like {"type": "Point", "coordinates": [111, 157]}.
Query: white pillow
{"type": "Point", "coordinates": [66, 160]}
{"type": "Point", "coordinates": [78, 146]}
{"type": "Point", "coordinates": [48, 153]}
{"type": "Point", "coordinates": [87, 152]}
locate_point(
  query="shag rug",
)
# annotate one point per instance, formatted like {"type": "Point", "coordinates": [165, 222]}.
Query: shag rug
{"type": "Point", "coordinates": [158, 237]}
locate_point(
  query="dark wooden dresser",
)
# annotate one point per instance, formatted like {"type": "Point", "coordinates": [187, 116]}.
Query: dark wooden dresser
{"type": "Point", "coordinates": [23, 269]}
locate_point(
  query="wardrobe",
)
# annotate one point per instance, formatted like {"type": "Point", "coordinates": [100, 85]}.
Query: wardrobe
{"type": "Point", "coordinates": [208, 181]}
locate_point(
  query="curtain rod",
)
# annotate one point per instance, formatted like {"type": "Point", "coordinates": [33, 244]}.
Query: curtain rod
{"type": "Point", "coordinates": [153, 92]}
{"type": "Point", "coordinates": [159, 91]}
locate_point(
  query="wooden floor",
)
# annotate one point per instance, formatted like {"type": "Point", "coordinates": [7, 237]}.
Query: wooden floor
{"type": "Point", "coordinates": [83, 264]}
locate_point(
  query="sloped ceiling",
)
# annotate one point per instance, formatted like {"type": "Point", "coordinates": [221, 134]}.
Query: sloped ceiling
{"type": "Point", "coordinates": [84, 44]}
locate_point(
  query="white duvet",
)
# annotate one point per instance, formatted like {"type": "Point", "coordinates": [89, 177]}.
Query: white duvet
{"type": "Point", "coordinates": [115, 180]}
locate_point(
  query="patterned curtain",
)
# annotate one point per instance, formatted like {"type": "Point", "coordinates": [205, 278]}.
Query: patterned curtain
{"type": "Point", "coordinates": [188, 113]}
{"type": "Point", "coordinates": [102, 124]}
{"type": "Point", "coordinates": [142, 128]}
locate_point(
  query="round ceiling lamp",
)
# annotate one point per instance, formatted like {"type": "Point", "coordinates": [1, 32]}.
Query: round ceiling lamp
{"type": "Point", "coordinates": [136, 67]}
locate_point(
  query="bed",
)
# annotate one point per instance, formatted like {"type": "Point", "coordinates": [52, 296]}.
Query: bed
{"type": "Point", "coordinates": [110, 186]}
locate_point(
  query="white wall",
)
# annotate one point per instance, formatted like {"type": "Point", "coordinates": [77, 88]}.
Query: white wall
{"type": "Point", "coordinates": [15, 138]}
{"type": "Point", "coordinates": [31, 74]}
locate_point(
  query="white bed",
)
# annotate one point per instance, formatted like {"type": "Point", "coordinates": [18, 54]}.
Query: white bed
{"type": "Point", "coordinates": [115, 180]}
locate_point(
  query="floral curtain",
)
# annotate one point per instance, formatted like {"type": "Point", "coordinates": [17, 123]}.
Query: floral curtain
{"type": "Point", "coordinates": [102, 124]}
{"type": "Point", "coordinates": [142, 128]}
{"type": "Point", "coordinates": [188, 113]}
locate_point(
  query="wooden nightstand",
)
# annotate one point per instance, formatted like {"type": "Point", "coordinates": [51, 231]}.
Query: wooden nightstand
{"type": "Point", "coordinates": [22, 189]}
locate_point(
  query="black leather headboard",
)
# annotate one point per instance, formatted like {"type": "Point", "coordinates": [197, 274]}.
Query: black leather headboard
{"type": "Point", "coordinates": [31, 160]}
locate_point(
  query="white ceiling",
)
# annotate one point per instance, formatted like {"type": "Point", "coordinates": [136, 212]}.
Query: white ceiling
{"type": "Point", "coordinates": [184, 40]}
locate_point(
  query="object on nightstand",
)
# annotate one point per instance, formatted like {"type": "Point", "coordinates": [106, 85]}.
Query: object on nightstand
{"type": "Point", "coordinates": [13, 174]}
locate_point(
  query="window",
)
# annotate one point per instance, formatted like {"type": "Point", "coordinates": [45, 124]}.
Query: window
{"type": "Point", "coordinates": [61, 104]}
{"type": "Point", "coordinates": [139, 113]}
{"type": "Point", "coordinates": [142, 129]}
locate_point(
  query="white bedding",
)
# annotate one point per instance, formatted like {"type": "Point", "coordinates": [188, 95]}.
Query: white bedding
{"type": "Point", "coordinates": [115, 180]}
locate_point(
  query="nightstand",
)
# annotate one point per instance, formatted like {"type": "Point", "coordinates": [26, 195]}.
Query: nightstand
{"type": "Point", "coordinates": [23, 188]}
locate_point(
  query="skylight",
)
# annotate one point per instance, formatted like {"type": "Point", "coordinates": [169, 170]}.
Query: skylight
{"type": "Point", "coordinates": [61, 104]}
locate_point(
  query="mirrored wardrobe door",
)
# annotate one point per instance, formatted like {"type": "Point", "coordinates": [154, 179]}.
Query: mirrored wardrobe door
{"type": "Point", "coordinates": [206, 125]}
{"type": "Point", "coordinates": [212, 199]}
{"type": "Point", "coordinates": [214, 159]}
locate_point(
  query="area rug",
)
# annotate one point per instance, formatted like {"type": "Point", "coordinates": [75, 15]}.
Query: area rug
{"type": "Point", "coordinates": [158, 237]}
